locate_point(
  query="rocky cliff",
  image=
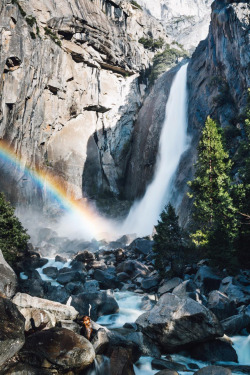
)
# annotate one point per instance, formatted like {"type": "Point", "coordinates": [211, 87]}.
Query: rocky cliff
{"type": "Point", "coordinates": [69, 84]}
{"type": "Point", "coordinates": [185, 21]}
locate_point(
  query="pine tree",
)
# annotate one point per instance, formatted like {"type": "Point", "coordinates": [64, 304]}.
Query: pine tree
{"type": "Point", "coordinates": [214, 214]}
{"type": "Point", "coordinates": [13, 236]}
{"type": "Point", "coordinates": [168, 239]}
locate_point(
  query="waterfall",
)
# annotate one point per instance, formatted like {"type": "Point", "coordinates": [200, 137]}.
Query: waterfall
{"type": "Point", "coordinates": [143, 214]}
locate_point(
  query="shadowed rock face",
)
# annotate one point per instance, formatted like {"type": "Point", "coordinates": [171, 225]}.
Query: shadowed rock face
{"type": "Point", "coordinates": [61, 347]}
{"type": "Point", "coordinates": [11, 330]}
{"type": "Point", "coordinates": [175, 322]}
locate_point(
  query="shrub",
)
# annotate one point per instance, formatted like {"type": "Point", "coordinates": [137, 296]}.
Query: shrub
{"type": "Point", "coordinates": [52, 36]}
{"type": "Point", "coordinates": [136, 4]}
{"type": "Point", "coordinates": [13, 236]}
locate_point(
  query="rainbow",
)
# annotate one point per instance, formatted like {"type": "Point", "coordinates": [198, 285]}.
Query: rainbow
{"type": "Point", "coordinates": [59, 190]}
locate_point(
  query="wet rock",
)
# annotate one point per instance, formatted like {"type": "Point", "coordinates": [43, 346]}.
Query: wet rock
{"type": "Point", "coordinates": [234, 292]}
{"type": "Point", "coordinates": [142, 246]}
{"type": "Point", "coordinates": [121, 362]}
{"type": "Point", "coordinates": [100, 341]}
{"type": "Point", "coordinates": [120, 255]}
{"type": "Point", "coordinates": [8, 279]}
{"type": "Point", "coordinates": [97, 265]}
{"type": "Point", "coordinates": [161, 364]}
{"type": "Point", "coordinates": [25, 369]}
{"type": "Point", "coordinates": [183, 289]}
{"type": "Point", "coordinates": [175, 322]}
{"type": "Point", "coordinates": [29, 305]}
{"type": "Point", "coordinates": [91, 286]}
{"type": "Point", "coordinates": [207, 280]}
{"type": "Point", "coordinates": [74, 288]}
{"type": "Point", "coordinates": [34, 288]}
{"type": "Point", "coordinates": [51, 272]}
{"type": "Point", "coordinates": [133, 268]}
{"type": "Point", "coordinates": [221, 305]}
{"type": "Point", "coordinates": [213, 370]}
{"type": "Point", "coordinates": [147, 346]}
{"type": "Point", "coordinates": [85, 257]}
{"type": "Point", "coordinates": [150, 282]}
{"type": "Point", "coordinates": [169, 285]}
{"type": "Point", "coordinates": [236, 323]}
{"type": "Point", "coordinates": [214, 351]}
{"type": "Point", "coordinates": [61, 347]}
{"type": "Point", "coordinates": [67, 277]}
{"type": "Point", "coordinates": [106, 279]}
{"type": "Point", "coordinates": [122, 276]}
{"type": "Point", "coordinates": [238, 368]}
{"type": "Point", "coordinates": [102, 303]}
{"type": "Point", "coordinates": [56, 293]}
{"type": "Point", "coordinates": [167, 372]}
{"type": "Point", "coordinates": [60, 259]}
{"type": "Point", "coordinates": [11, 330]}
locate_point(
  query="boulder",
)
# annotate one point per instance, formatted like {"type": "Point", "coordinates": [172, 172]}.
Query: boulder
{"type": "Point", "coordinates": [133, 268]}
{"type": "Point", "coordinates": [85, 257]}
{"type": "Point", "coordinates": [207, 280]}
{"type": "Point", "coordinates": [26, 369]}
{"type": "Point", "coordinates": [213, 370]}
{"type": "Point", "coordinates": [51, 272]}
{"type": "Point", "coordinates": [175, 322]}
{"type": "Point", "coordinates": [56, 293]}
{"type": "Point", "coordinates": [8, 279]}
{"type": "Point", "coordinates": [236, 323]}
{"type": "Point", "coordinates": [221, 305]}
{"type": "Point", "coordinates": [169, 285]}
{"type": "Point", "coordinates": [122, 276]}
{"type": "Point", "coordinates": [76, 287]}
{"type": "Point", "coordinates": [106, 279]}
{"type": "Point", "coordinates": [161, 364]}
{"type": "Point", "coordinates": [102, 303]}
{"type": "Point", "coordinates": [30, 306]}
{"type": "Point", "coordinates": [121, 362]}
{"type": "Point", "coordinates": [150, 282]}
{"type": "Point", "coordinates": [142, 246]}
{"type": "Point", "coordinates": [37, 319]}
{"type": "Point", "coordinates": [146, 345]}
{"type": "Point", "coordinates": [234, 292]}
{"type": "Point", "coordinates": [182, 290]}
{"type": "Point", "coordinates": [11, 330]}
{"type": "Point", "coordinates": [60, 259]}
{"type": "Point", "coordinates": [34, 288]}
{"type": "Point", "coordinates": [67, 277]}
{"type": "Point", "coordinates": [61, 347]}
{"type": "Point", "coordinates": [214, 351]}
{"type": "Point", "coordinates": [100, 341]}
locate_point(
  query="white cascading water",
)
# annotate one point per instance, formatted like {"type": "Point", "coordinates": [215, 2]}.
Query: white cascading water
{"type": "Point", "coordinates": [143, 214]}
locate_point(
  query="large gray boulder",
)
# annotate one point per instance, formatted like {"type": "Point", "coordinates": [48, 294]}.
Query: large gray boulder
{"type": "Point", "coordinates": [8, 279]}
{"type": "Point", "coordinates": [175, 322]}
{"type": "Point", "coordinates": [11, 330]}
{"type": "Point", "coordinates": [217, 350]}
{"type": "Point", "coordinates": [61, 347]}
{"type": "Point", "coordinates": [221, 305]}
{"type": "Point", "coordinates": [101, 302]}
{"type": "Point", "coordinates": [236, 323]}
{"type": "Point", "coordinates": [169, 285]}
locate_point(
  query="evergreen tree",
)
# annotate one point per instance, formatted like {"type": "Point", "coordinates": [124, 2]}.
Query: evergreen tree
{"type": "Point", "coordinates": [168, 239]}
{"type": "Point", "coordinates": [214, 214]}
{"type": "Point", "coordinates": [13, 236]}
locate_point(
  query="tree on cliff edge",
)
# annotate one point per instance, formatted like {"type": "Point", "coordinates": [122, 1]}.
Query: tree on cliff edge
{"type": "Point", "coordinates": [13, 236]}
{"type": "Point", "coordinates": [214, 214]}
{"type": "Point", "coordinates": [168, 239]}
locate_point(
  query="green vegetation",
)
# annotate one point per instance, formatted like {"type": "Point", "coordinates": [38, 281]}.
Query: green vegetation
{"type": "Point", "coordinates": [168, 240]}
{"type": "Point", "coordinates": [214, 214]}
{"type": "Point", "coordinates": [33, 35]}
{"type": "Point", "coordinates": [152, 44]}
{"type": "Point", "coordinates": [165, 60]}
{"type": "Point", "coordinates": [52, 36]}
{"type": "Point", "coordinates": [136, 4]}
{"type": "Point", "coordinates": [31, 21]}
{"type": "Point", "coordinates": [13, 236]}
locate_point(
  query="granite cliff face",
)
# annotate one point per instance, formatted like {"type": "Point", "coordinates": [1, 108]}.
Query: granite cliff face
{"type": "Point", "coordinates": [69, 84]}
{"type": "Point", "coordinates": [185, 21]}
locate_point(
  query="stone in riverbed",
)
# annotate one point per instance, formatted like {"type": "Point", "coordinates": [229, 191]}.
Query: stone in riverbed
{"type": "Point", "coordinates": [236, 323]}
{"type": "Point", "coordinates": [175, 322]}
{"type": "Point", "coordinates": [51, 272]}
{"type": "Point", "coordinates": [169, 285]}
{"type": "Point", "coordinates": [106, 279]}
{"type": "Point", "coordinates": [221, 305]}
{"type": "Point", "coordinates": [11, 330]}
{"type": "Point", "coordinates": [121, 362]}
{"type": "Point", "coordinates": [61, 347]}
{"type": "Point", "coordinates": [207, 280]}
{"type": "Point", "coordinates": [213, 370]}
{"type": "Point", "coordinates": [102, 303]}
{"type": "Point", "coordinates": [167, 372]}
{"type": "Point", "coordinates": [8, 279]}
{"type": "Point", "coordinates": [214, 351]}
{"type": "Point", "coordinates": [161, 364]}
